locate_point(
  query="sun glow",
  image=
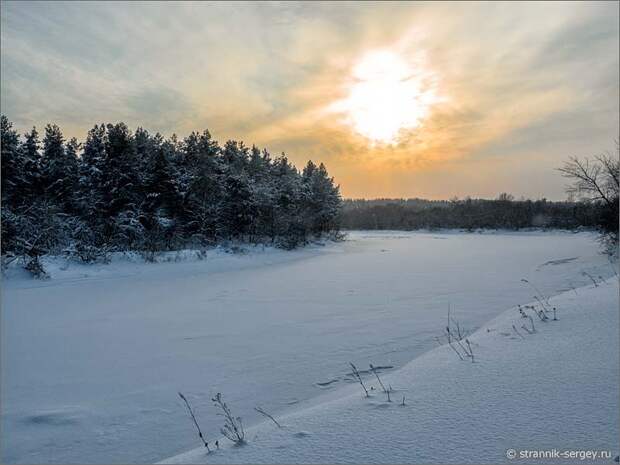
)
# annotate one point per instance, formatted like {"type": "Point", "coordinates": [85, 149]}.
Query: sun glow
{"type": "Point", "coordinates": [387, 95]}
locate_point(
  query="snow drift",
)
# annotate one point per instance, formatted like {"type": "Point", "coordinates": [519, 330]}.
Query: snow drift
{"type": "Point", "coordinates": [552, 390]}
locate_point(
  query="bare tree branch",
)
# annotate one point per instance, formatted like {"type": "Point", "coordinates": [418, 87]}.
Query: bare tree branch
{"type": "Point", "coordinates": [587, 179]}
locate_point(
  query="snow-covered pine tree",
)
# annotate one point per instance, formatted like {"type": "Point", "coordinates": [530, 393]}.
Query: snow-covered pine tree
{"type": "Point", "coordinates": [117, 197]}
{"type": "Point", "coordinates": [237, 210]}
{"type": "Point", "coordinates": [13, 165]}
{"type": "Point", "coordinates": [59, 170]}
{"type": "Point", "coordinates": [125, 191]}
{"type": "Point", "coordinates": [289, 224]}
{"type": "Point", "coordinates": [32, 165]}
{"type": "Point", "coordinates": [259, 172]}
{"type": "Point", "coordinates": [321, 198]}
{"type": "Point", "coordinates": [162, 202]}
{"type": "Point", "coordinates": [201, 170]}
{"type": "Point", "coordinates": [12, 184]}
{"type": "Point", "coordinates": [90, 180]}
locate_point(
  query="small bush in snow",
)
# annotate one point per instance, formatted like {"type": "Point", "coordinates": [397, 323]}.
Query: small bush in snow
{"type": "Point", "coordinates": [528, 330]}
{"type": "Point", "coordinates": [86, 253]}
{"type": "Point", "coordinates": [357, 375]}
{"type": "Point", "coordinates": [35, 267]}
{"type": "Point", "coordinates": [233, 426]}
{"type": "Point", "coordinates": [262, 412]}
{"type": "Point", "coordinates": [386, 391]}
{"type": "Point", "coordinates": [457, 337]}
{"type": "Point", "coordinates": [541, 303]}
{"type": "Point", "coordinates": [471, 352]}
{"type": "Point", "coordinates": [456, 334]}
{"type": "Point", "coordinates": [191, 413]}
{"type": "Point", "coordinates": [453, 348]}
{"type": "Point", "coordinates": [532, 323]}
{"type": "Point", "coordinates": [540, 314]}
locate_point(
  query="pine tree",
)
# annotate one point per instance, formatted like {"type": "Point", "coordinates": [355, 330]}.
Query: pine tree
{"type": "Point", "coordinates": [202, 186]}
{"type": "Point", "coordinates": [12, 184]}
{"type": "Point", "coordinates": [288, 224]}
{"type": "Point", "coordinates": [13, 165]}
{"type": "Point", "coordinates": [59, 169]}
{"type": "Point", "coordinates": [162, 203]}
{"type": "Point", "coordinates": [237, 208]}
{"type": "Point", "coordinates": [32, 166]}
{"type": "Point", "coordinates": [31, 144]}
{"type": "Point", "coordinates": [322, 198]}
{"type": "Point", "coordinates": [259, 172]}
{"type": "Point", "coordinates": [90, 176]}
{"type": "Point", "coordinates": [235, 156]}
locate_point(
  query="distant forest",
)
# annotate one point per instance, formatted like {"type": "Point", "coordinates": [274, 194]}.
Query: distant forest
{"type": "Point", "coordinates": [122, 190]}
{"type": "Point", "coordinates": [594, 181]}
{"type": "Point", "coordinates": [502, 213]}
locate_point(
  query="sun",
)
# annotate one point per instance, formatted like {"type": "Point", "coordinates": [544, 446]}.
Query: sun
{"type": "Point", "coordinates": [386, 95]}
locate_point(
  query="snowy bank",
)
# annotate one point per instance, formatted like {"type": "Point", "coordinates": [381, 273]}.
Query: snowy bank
{"type": "Point", "coordinates": [206, 260]}
{"type": "Point", "coordinates": [555, 390]}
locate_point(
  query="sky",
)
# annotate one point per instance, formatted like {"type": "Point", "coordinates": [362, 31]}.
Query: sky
{"type": "Point", "coordinates": [429, 99]}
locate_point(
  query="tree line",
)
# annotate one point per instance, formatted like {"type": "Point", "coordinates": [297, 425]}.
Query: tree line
{"type": "Point", "coordinates": [123, 190]}
{"type": "Point", "coordinates": [469, 214]}
{"type": "Point", "coordinates": [593, 204]}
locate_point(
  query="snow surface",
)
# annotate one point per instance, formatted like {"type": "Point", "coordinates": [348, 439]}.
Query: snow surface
{"type": "Point", "coordinates": [554, 389]}
{"type": "Point", "coordinates": [92, 359]}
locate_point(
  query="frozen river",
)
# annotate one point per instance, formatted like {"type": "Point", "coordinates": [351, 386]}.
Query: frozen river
{"type": "Point", "coordinates": [91, 365]}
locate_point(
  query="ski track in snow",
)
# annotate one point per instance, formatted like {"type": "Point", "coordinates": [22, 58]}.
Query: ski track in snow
{"type": "Point", "coordinates": [92, 358]}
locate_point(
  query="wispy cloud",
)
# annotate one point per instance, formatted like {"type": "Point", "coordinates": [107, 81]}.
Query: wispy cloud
{"type": "Point", "coordinates": [525, 84]}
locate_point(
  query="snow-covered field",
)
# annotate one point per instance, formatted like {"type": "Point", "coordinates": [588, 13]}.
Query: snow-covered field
{"type": "Point", "coordinates": [524, 397]}
{"type": "Point", "coordinates": [92, 359]}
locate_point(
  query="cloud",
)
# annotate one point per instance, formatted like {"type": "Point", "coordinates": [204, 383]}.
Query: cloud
{"type": "Point", "coordinates": [523, 83]}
